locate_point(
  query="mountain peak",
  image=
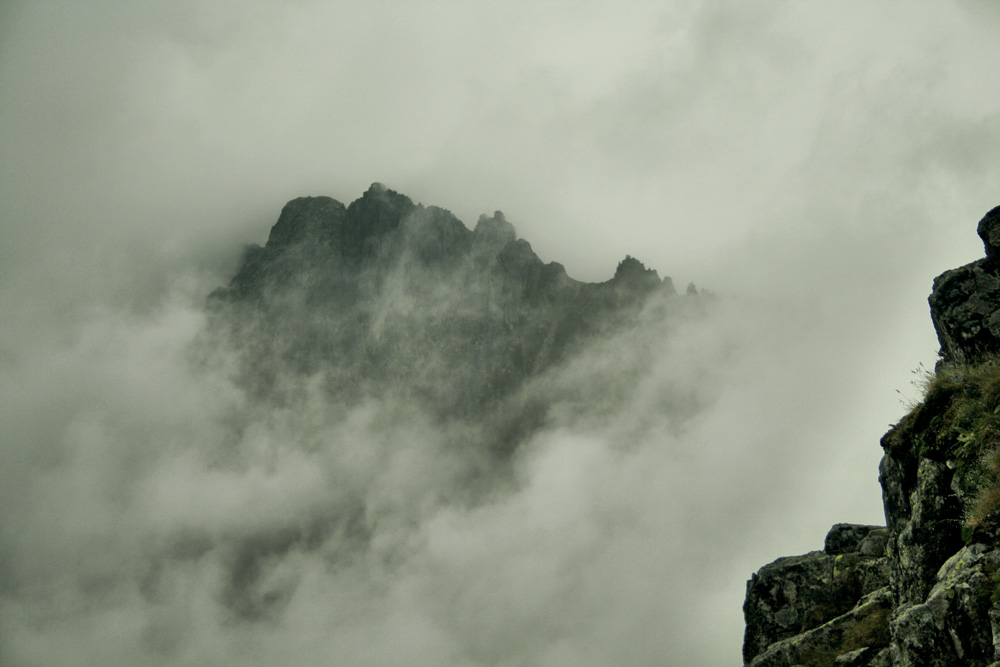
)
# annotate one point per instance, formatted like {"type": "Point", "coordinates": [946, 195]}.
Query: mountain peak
{"type": "Point", "coordinates": [630, 268]}
{"type": "Point", "coordinates": [306, 219]}
{"type": "Point", "coordinates": [375, 287]}
{"type": "Point", "coordinates": [496, 228]}
{"type": "Point", "coordinates": [633, 275]}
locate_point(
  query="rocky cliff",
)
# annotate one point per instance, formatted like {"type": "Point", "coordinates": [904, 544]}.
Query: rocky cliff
{"type": "Point", "coordinates": [385, 336]}
{"type": "Point", "coordinates": [380, 295]}
{"type": "Point", "coordinates": [924, 590]}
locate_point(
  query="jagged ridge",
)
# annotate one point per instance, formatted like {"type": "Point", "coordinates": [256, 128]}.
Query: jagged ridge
{"type": "Point", "coordinates": [380, 294]}
{"type": "Point", "coordinates": [386, 331]}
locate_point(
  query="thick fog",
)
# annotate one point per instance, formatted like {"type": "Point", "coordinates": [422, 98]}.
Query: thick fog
{"type": "Point", "coordinates": [813, 165]}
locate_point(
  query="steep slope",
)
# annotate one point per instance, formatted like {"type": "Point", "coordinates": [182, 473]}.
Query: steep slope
{"type": "Point", "coordinates": [925, 592]}
{"type": "Point", "coordinates": [381, 294]}
{"type": "Point", "coordinates": [384, 335]}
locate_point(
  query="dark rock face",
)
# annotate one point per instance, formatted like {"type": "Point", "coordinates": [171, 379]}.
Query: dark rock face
{"type": "Point", "coordinates": [924, 517]}
{"type": "Point", "coordinates": [965, 302]}
{"type": "Point", "coordinates": [379, 295]}
{"type": "Point", "coordinates": [795, 595]}
{"type": "Point", "coordinates": [964, 311]}
{"type": "Point", "coordinates": [941, 603]}
{"type": "Point", "coordinates": [845, 538]}
{"type": "Point", "coordinates": [448, 346]}
{"type": "Point", "coordinates": [955, 624]}
{"type": "Point", "coordinates": [858, 637]}
{"type": "Point", "coordinates": [989, 231]}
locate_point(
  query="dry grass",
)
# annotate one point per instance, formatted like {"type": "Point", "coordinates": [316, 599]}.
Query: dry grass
{"type": "Point", "coordinates": [960, 417]}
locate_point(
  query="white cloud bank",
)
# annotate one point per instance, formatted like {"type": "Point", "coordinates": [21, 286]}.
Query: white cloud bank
{"type": "Point", "coordinates": [822, 163]}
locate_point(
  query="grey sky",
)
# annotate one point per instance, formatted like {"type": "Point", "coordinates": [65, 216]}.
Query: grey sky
{"type": "Point", "coordinates": [821, 161]}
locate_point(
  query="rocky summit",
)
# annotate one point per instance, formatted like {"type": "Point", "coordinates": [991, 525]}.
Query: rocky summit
{"type": "Point", "coordinates": [923, 591]}
{"type": "Point", "coordinates": [376, 297]}
{"type": "Point", "coordinates": [383, 336]}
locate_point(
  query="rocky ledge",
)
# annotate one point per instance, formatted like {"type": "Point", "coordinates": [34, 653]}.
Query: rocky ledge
{"type": "Point", "coordinates": [964, 303]}
{"type": "Point", "coordinates": [924, 590]}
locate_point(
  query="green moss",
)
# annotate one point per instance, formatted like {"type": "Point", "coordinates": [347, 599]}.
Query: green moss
{"type": "Point", "coordinates": [995, 597]}
{"type": "Point", "coordinates": [959, 421]}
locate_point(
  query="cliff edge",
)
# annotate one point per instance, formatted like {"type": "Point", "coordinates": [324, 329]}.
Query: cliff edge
{"type": "Point", "coordinates": [923, 591]}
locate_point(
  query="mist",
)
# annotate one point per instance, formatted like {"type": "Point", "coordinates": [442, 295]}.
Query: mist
{"type": "Point", "coordinates": [814, 167]}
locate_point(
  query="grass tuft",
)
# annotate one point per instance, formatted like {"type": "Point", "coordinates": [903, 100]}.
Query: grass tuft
{"type": "Point", "coordinates": [961, 408]}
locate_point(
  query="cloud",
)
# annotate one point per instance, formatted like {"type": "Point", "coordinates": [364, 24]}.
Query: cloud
{"type": "Point", "coordinates": [180, 522]}
{"type": "Point", "coordinates": [815, 166]}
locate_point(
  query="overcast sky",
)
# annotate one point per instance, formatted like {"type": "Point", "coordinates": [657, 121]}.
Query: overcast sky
{"type": "Point", "coordinates": [818, 162]}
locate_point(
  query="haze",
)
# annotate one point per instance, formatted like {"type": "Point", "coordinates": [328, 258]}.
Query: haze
{"type": "Point", "coordinates": [815, 165]}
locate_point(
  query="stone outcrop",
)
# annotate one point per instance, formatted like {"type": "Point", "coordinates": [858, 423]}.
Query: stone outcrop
{"type": "Point", "coordinates": [939, 604]}
{"type": "Point", "coordinates": [989, 231]}
{"type": "Point", "coordinates": [964, 301]}
{"type": "Point", "coordinates": [809, 604]}
{"type": "Point", "coordinates": [859, 636]}
{"type": "Point", "coordinates": [379, 295]}
{"type": "Point", "coordinates": [956, 624]}
{"type": "Point", "coordinates": [446, 348]}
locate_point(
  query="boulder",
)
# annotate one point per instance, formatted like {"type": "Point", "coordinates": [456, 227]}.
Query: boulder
{"type": "Point", "coordinates": [797, 594]}
{"type": "Point", "coordinates": [964, 310]}
{"type": "Point", "coordinates": [856, 637]}
{"type": "Point", "coordinates": [849, 537]}
{"type": "Point", "coordinates": [965, 302]}
{"type": "Point", "coordinates": [989, 232]}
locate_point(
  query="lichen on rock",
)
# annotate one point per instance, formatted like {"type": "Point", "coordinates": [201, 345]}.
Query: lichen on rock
{"type": "Point", "coordinates": [795, 595]}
